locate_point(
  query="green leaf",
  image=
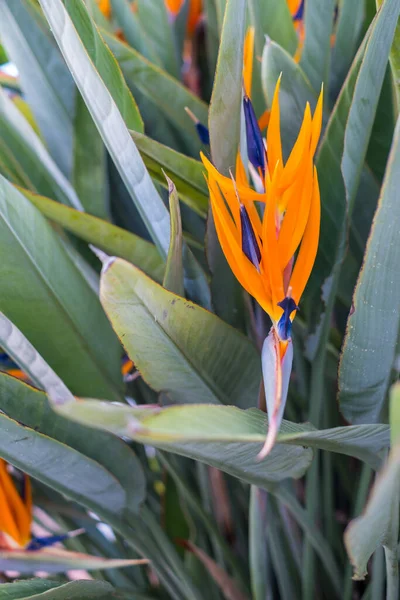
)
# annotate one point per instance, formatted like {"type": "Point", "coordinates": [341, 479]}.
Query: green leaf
{"type": "Point", "coordinates": [102, 449]}
{"type": "Point", "coordinates": [187, 173]}
{"type": "Point", "coordinates": [39, 170]}
{"type": "Point", "coordinates": [348, 31]}
{"type": "Point", "coordinates": [395, 414]}
{"type": "Point", "coordinates": [141, 531]}
{"type": "Point", "coordinates": [226, 99]}
{"type": "Point", "coordinates": [77, 342]}
{"type": "Point", "coordinates": [371, 336]}
{"type": "Point", "coordinates": [42, 589]}
{"type": "Point", "coordinates": [379, 524]}
{"type": "Point", "coordinates": [45, 79]}
{"type": "Point", "coordinates": [153, 19]}
{"type": "Point", "coordinates": [394, 59]}
{"type": "Point", "coordinates": [316, 52]}
{"type": "Point", "coordinates": [173, 278]}
{"type": "Point", "coordinates": [177, 346]}
{"type": "Point", "coordinates": [90, 167]}
{"type": "Point", "coordinates": [104, 235]}
{"type": "Point", "coordinates": [109, 120]}
{"type": "Point", "coordinates": [224, 437]}
{"type": "Point", "coordinates": [273, 18]}
{"type": "Point", "coordinates": [204, 432]}
{"type": "Point", "coordinates": [59, 562]}
{"type": "Point", "coordinates": [160, 89]}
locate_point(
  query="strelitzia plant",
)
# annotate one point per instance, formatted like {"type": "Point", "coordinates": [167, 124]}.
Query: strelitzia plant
{"type": "Point", "coordinates": [272, 254]}
{"type": "Point", "coordinates": [209, 400]}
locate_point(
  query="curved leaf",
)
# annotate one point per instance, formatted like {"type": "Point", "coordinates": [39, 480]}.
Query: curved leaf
{"type": "Point", "coordinates": [177, 346]}
{"type": "Point", "coordinates": [45, 79]}
{"type": "Point", "coordinates": [371, 337]}
{"type": "Point", "coordinates": [104, 235]}
{"type": "Point", "coordinates": [273, 18]}
{"type": "Point", "coordinates": [43, 589]}
{"type": "Point", "coordinates": [77, 342]}
{"type": "Point", "coordinates": [226, 99]}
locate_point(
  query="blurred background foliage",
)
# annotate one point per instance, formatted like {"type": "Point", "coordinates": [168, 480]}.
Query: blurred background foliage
{"type": "Point", "coordinates": [93, 118]}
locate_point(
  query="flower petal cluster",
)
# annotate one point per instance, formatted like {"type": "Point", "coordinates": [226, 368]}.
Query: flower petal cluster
{"type": "Point", "coordinates": [15, 511]}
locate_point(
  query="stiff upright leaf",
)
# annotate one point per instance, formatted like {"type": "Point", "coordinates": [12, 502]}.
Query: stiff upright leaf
{"type": "Point", "coordinates": [273, 18]}
{"type": "Point", "coordinates": [45, 79]}
{"type": "Point", "coordinates": [177, 346]}
{"type": "Point", "coordinates": [225, 107]}
{"type": "Point", "coordinates": [173, 278]}
{"type": "Point", "coordinates": [315, 55]}
{"type": "Point", "coordinates": [55, 308]}
{"type": "Point", "coordinates": [371, 337]}
{"type": "Point", "coordinates": [110, 238]}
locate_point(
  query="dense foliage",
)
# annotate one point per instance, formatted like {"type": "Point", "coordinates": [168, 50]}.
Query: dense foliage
{"type": "Point", "coordinates": [179, 180]}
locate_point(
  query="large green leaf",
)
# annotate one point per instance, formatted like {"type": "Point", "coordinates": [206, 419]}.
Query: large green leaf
{"type": "Point", "coordinates": [161, 90]}
{"type": "Point", "coordinates": [90, 168]}
{"type": "Point", "coordinates": [229, 438]}
{"type": "Point", "coordinates": [394, 59]}
{"type": "Point", "coordinates": [104, 235]}
{"type": "Point", "coordinates": [54, 307]}
{"type": "Point", "coordinates": [316, 52]}
{"type": "Point", "coordinates": [379, 524]}
{"type": "Point", "coordinates": [140, 531]}
{"type": "Point", "coordinates": [348, 30]}
{"type": "Point", "coordinates": [106, 114]}
{"type": "Point", "coordinates": [371, 337]}
{"type": "Point", "coordinates": [45, 79]}
{"type": "Point", "coordinates": [153, 20]}
{"type": "Point", "coordinates": [58, 561]}
{"type": "Point", "coordinates": [226, 99]}
{"type": "Point", "coordinates": [42, 589]}
{"type": "Point", "coordinates": [273, 18]}
{"type": "Point", "coordinates": [177, 346]}
{"type": "Point", "coordinates": [28, 152]}
{"type": "Point", "coordinates": [187, 173]}
{"type": "Point", "coordinates": [223, 437]}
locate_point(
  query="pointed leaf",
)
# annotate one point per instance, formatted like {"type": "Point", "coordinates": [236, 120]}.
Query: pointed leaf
{"type": "Point", "coordinates": [173, 278]}
{"type": "Point", "coordinates": [177, 346]}
{"type": "Point", "coordinates": [104, 235]}
{"type": "Point", "coordinates": [77, 342]}
{"type": "Point", "coordinates": [45, 79]}
{"type": "Point", "coordinates": [59, 561]}
{"type": "Point", "coordinates": [225, 107]}
{"type": "Point", "coordinates": [371, 337]}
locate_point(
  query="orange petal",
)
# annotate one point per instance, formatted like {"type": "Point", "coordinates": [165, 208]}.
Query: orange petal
{"type": "Point", "coordinates": [264, 120]}
{"type": "Point", "coordinates": [15, 517]}
{"type": "Point", "coordinates": [300, 148]}
{"type": "Point", "coordinates": [294, 6]}
{"type": "Point", "coordinates": [274, 145]}
{"type": "Point", "coordinates": [248, 55]}
{"type": "Point", "coordinates": [317, 123]}
{"type": "Point", "coordinates": [309, 245]}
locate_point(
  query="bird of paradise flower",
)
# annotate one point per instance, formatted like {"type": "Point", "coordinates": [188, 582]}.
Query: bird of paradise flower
{"type": "Point", "coordinates": [269, 235]}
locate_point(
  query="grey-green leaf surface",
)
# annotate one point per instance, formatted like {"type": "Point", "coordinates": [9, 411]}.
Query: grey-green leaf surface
{"type": "Point", "coordinates": [316, 52]}
{"type": "Point", "coordinates": [115, 457]}
{"type": "Point", "coordinates": [187, 173]}
{"type": "Point", "coordinates": [394, 59]}
{"type": "Point", "coordinates": [45, 79]}
{"type": "Point", "coordinates": [173, 278]}
{"type": "Point", "coordinates": [108, 118]}
{"type": "Point", "coordinates": [16, 345]}
{"type": "Point", "coordinates": [153, 19]}
{"type": "Point", "coordinates": [29, 152]}
{"type": "Point", "coordinates": [78, 342]}
{"type": "Point", "coordinates": [162, 90]}
{"type": "Point", "coordinates": [348, 30]}
{"type": "Point", "coordinates": [379, 524]}
{"type": "Point", "coordinates": [371, 336]}
{"type": "Point", "coordinates": [42, 589]}
{"type": "Point", "coordinates": [110, 238]}
{"type": "Point", "coordinates": [204, 434]}
{"type": "Point", "coordinates": [207, 432]}
{"type": "Point", "coordinates": [89, 173]}
{"type": "Point", "coordinates": [366, 96]}
{"type": "Point", "coordinates": [226, 99]}
{"type": "Point", "coordinates": [273, 18]}
{"type": "Point", "coordinates": [177, 346]}
{"type": "Point", "coordinates": [58, 561]}
{"type": "Point", "coordinates": [143, 533]}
